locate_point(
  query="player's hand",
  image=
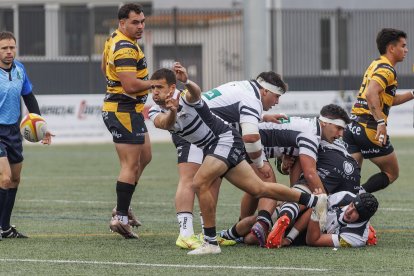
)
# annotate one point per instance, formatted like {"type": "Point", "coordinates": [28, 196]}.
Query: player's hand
{"type": "Point", "coordinates": [180, 72]}
{"type": "Point", "coordinates": [287, 162]}
{"type": "Point", "coordinates": [266, 170]}
{"type": "Point", "coordinates": [274, 118]}
{"type": "Point", "coordinates": [381, 134]}
{"type": "Point", "coordinates": [318, 191]}
{"type": "Point", "coordinates": [47, 140]}
{"type": "Point", "coordinates": [172, 102]}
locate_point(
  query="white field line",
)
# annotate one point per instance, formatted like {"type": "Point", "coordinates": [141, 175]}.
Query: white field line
{"type": "Point", "coordinates": [168, 203]}
{"type": "Point", "coordinates": [164, 265]}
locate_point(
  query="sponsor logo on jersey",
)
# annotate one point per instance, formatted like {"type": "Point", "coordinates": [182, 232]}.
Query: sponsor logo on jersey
{"type": "Point", "coordinates": [348, 168]}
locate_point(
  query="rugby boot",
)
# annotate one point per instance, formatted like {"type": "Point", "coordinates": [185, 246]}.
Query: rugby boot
{"type": "Point", "coordinates": [132, 219]}
{"type": "Point", "coordinates": [124, 230]}
{"type": "Point", "coordinates": [372, 236]}
{"type": "Point", "coordinates": [12, 233]}
{"type": "Point", "coordinates": [206, 248]}
{"type": "Point", "coordinates": [221, 241]}
{"type": "Point", "coordinates": [192, 242]}
{"type": "Point", "coordinates": [274, 240]}
{"type": "Point", "coordinates": [260, 230]}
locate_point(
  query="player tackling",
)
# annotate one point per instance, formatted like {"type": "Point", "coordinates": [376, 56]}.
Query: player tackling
{"type": "Point", "coordinates": [187, 115]}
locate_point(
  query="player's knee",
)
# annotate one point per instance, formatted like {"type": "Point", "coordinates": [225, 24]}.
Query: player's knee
{"type": "Point", "coordinates": [258, 191]}
{"type": "Point", "coordinates": [196, 185]}
{"type": "Point", "coordinates": [392, 176]}
{"type": "Point", "coordinates": [15, 181]}
{"type": "Point", "coordinates": [146, 159]}
{"type": "Point", "coordinates": [5, 181]}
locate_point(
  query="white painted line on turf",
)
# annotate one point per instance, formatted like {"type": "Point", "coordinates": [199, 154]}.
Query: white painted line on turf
{"type": "Point", "coordinates": [165, 265]}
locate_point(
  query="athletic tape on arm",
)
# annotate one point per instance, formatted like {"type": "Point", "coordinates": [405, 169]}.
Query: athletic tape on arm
{"type": "Point", "coordinates": [249, 128]}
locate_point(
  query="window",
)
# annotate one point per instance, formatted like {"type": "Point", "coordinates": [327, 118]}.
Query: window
{"type": "Point", "coordinates": [326, 44]}
{"type": "Point", "coordinates": [343, 43]}
{"type": "Point", "coordinates": [31, 30]}
{"type": "Point", "coordinates": [334, 43]}
{"type": "Point", "coordinates": [6, 20]}
{"type": "Point", "coordinates": [106, 21]}
{"type": "Point", "coordinates": [74, 31]}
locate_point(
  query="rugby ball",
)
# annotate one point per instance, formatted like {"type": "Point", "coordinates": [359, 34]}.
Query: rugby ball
{"type": "Point", "coordinates": [33, 127]}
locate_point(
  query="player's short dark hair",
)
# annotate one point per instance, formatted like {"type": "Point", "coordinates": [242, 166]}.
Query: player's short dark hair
{"type": "Point", "coordinates": [387, 36]}
{"type": "Point", "coordinates": [366, 204]}
{"type": "Point", "coordinates": [124, 10]}
{"type": "Point", "coordinates": [333, 111]}
{"type": "Point", "coordinates": [7, 35]}
{"type": "Point", "coordinates": [273, 78]}
{"type": "Point", "coordinates": [166, 74]}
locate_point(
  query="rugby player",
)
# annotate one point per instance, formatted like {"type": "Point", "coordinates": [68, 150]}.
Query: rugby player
{"type": "Point", "coordinates": [366, 137]}
{"type": "Point", "coordinates": [187, 115]}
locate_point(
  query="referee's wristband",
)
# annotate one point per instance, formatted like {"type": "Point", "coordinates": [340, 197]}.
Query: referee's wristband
{"type": "Point", "coordinates": [412, 93]}
{"type": "Point", "coordinates": [187, 82]}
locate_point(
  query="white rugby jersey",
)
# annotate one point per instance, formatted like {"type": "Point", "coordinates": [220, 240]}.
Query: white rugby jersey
{"type": "Point", "coordinates": [297, 136]}
{"type": "Point", "coordinates": [196, 123]}
{"type": "Point", "coordinates": [344, 234]}
{"type": "Point", "coordinates": [236, 102]}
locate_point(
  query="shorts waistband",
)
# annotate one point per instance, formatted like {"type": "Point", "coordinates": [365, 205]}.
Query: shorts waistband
{"type": "Point", "coordinates": [121, 107]}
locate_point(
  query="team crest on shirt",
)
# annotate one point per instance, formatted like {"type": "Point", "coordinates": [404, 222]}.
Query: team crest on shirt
{"type": "Point", "coordinates": [348, 168]}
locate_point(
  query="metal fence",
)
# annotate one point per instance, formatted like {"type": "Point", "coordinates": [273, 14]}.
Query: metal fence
{"type": "Point", "coordinates": [64, 56]}
{"type": "Point", "coordinates": [313, 49]}
{"type": "Point", "coordinates": [331, 49]}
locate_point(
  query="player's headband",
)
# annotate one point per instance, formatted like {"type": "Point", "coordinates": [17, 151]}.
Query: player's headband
{"type": "Point", "coordinates": [338, 122]}
{"type": "Point", "coordinates": [271, 87]}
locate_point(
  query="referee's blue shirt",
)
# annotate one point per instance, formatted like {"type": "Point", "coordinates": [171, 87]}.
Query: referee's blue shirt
{"type": "Point", "coordinates": [13, 85]}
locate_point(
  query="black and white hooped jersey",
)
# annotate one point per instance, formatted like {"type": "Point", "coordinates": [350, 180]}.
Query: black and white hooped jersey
{"type": "Point", "coordinates": [344, 234]}
{"type": "Point", "coordinates": [196, 123]}
{"type": "Point", "coordinates": [337, 169]}
{"type": "Point", "coordinates": [236, 102]}
{"type": "Point", "coordinates": [297, 136]}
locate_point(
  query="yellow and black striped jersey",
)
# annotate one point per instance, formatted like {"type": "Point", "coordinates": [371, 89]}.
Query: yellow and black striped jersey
{"type": "Point", "coordinates": [123, 54]}
{"type": "Point", "coordinates": [384, 73]}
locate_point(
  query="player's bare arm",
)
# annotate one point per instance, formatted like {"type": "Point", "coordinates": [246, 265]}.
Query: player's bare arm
{"type": "Point", "coordinates": [403, 97]}
{"type": "Point", "coordinates": [131, 84]}
{"type": "Point", "coordinates": [314, 237]}
{"type": "Point", "coordinates": [253, 145]}
{"type": "Point", "coordinates": [373, 91]}
{"type": "Point", "coordinates": [193, 89]}
{"type": "Point", "coordinates": [373, 99]}
{"type": "Point", "coordinates": [308, 165]}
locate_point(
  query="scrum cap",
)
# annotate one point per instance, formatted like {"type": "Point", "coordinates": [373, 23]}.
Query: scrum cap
{"type": "Point", "coordinates": [366, 205]}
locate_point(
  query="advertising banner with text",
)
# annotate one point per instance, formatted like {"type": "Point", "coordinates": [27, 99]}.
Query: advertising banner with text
{"type": "Point", "coordinates": [77, 118]}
